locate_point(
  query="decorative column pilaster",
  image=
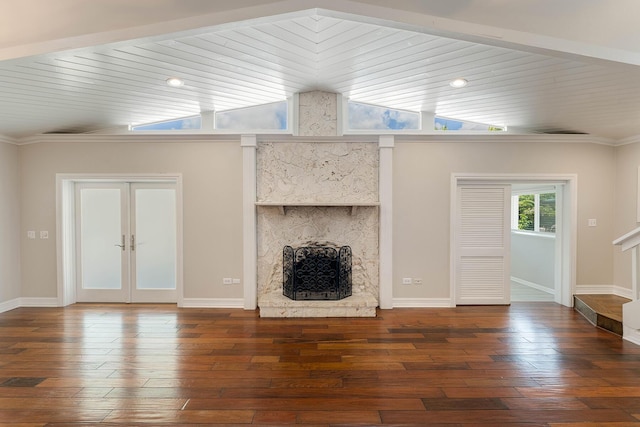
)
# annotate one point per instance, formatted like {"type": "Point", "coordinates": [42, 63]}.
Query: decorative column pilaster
{"type": "Point", "coordinates": [249, 146]}
{"type": "Point", "coordinates": [385, 195]}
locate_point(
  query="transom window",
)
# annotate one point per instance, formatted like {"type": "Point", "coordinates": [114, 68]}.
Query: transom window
{"type": "Point", "coordinates": [260, 117]}
{"type": "Point", "coordinates": [266, 117]}
{"type": "Point", "coordinates": [375, 117]}
{"type": "Point", "coordinates": [184, 123]}
{"type": "Point", "coordinates": [359, 117]}
{"type": "Point", "coordinates": [443, 123]}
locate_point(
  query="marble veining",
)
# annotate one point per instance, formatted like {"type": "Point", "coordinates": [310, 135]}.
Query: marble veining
{"type": "Point", "coordinates": [323, 172]}
{"type": "Point", "coordinates": [317, 172]}
{"type": "Point", "coordinates": [317, 114]}
{"type": "Point", "coordinates": [334, 225]}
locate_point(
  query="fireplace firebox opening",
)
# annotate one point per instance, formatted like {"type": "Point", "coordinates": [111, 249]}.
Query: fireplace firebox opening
{"type": "Point", "coordinates": [316, 272]}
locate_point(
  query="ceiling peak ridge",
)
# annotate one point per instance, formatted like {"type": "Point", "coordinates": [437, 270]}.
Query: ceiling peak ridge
{"type": "Point", "coordinates": [420, 22]}
{"type": "Point", "coordinates": [403, 17]}
{"type": "Point", "coordinates": [216, 21]}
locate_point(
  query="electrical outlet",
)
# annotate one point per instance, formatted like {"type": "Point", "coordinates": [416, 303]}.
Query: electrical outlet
{"type": "Point", "coordinates": [31, 234]}
{"type": "Point", "coordinates": [406, 281]}
{"type": "Point", "coordinates": [227, 281]}
{"type": "Point", "coordinates": [592, 222]}
{"type": "Point", "coordinates": [417, 281]}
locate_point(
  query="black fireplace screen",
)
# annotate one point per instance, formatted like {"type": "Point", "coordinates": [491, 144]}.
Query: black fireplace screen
{"type": "Point", "coordinates": [316, 272]}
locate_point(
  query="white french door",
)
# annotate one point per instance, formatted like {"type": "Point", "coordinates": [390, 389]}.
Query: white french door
{"type": "Point", "coordinates": [126, 242]}
{"type": "Point", "coordinates": [482, 271]}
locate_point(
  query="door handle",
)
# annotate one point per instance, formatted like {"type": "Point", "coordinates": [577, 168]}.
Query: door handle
{"type": "Point", "coordinates": [133, 242]}
{"type": "Point", "coordinates": [122, 245]}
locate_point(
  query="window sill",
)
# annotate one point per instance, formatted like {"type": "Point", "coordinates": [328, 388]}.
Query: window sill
{"type": "Point", "coordinates": [541, 234]}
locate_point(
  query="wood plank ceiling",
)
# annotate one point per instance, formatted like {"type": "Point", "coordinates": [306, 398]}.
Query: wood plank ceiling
{"type": "Point", "coordinates": [256, 63]}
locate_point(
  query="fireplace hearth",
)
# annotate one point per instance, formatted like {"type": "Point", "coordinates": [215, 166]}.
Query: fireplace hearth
{"type": "Point", "coordinates": [316, 272]}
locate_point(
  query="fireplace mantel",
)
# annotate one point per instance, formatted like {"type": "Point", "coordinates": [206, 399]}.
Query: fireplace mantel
{"type": "Point", "coordinates": [283, 205]}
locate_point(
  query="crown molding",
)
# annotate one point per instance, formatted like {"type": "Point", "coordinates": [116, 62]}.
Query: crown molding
{"type": "Point", "coordinates": [127, 138]}
{"type": "Point", "coordinates": [629, 140]}
{"type": "Point", "coordinates": [446, 136]}
{"type": "Point", "coordinates": [159, 137]}
{"type": "Point", "coordinates": [451, 137]}
{"type": "Point", "coordinates": [8, 140]}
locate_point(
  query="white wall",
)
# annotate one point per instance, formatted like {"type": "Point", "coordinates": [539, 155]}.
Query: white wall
{"type": "Point", "coordinates": [212, 173]}
{"type": "Point", "coordinates": [533, 258]}
{"type": "Point", "coordinates": [421, 188]}
{"type": "Point", "coordinates": [9, 223]}
{"type": "Point", "coordinates": [212, 200]}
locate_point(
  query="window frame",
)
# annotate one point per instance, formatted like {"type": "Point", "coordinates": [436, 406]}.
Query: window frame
{"type": "Point", "coordinates": [515, 211]}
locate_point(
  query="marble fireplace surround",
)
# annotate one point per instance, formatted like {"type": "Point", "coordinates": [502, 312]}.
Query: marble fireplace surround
{"type": "Point", "coordinates": [317, 192]}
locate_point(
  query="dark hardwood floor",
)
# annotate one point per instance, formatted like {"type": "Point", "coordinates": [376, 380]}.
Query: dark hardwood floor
{"type": "Point", "coordinates": [530, 364]}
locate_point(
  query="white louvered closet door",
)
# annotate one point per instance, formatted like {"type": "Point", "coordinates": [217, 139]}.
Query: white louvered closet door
{"type": "Point", "coordinates": [483, 244]}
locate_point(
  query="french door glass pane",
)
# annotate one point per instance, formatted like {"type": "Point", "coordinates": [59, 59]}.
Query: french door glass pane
{"type": "Point", "coordinates": [155, 250]}
{"type": "Point", "coordinates": [100, 233]}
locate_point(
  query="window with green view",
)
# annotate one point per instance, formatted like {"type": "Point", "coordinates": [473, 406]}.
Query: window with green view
{"type": "Point", "coordinates": [536, 212]}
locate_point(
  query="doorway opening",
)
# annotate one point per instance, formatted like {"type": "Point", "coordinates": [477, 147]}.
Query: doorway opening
{"type": "Point", "coordinates": [144, 214]}
{"type": "Point", "coordinates": [491, 270]}
{"type": "Point", "coordinates": [534, 211]}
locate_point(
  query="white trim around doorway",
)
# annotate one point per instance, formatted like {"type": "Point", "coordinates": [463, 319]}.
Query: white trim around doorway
{"type": "Point", "coordinates": [65, 227]}
{"type": "Point", "coordinates": [565, 257]}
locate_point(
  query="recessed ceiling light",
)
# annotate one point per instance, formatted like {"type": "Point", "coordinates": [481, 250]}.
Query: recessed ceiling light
{"type": "Point", "coordinates": [458, 83]}
{"type": "Point", "coordinates": [175, 82]}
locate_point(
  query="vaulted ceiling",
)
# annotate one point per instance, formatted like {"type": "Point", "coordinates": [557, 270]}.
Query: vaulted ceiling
{"type": "Point", "coordinates": [244, 59]}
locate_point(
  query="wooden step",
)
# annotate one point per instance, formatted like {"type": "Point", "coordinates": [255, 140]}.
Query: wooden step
{"type": "Point", "coordinates": [603, 311]}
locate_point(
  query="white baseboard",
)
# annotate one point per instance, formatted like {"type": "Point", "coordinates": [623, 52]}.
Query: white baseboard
{"type": "Point", "coordinates": [533, 285]}
{"type": "Point", "coordinates": [603, 289]}
{"type": "Point", "coordinates": [422, 302]}
{"type": "Point", "coordinates": [622, 292]}
{"type": "Point", "coordinates": [38, 302]}
{"type": "Point", "coordinates": [631, 335]}
{"type": "Point", "coordinates": [27, 302]}
{"type": "Point", "coordinates": [187, 302]}
{"type": "Point", "coordinates": [212, 303]}
{"type": "Point", "coordinates": [9, 305]}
